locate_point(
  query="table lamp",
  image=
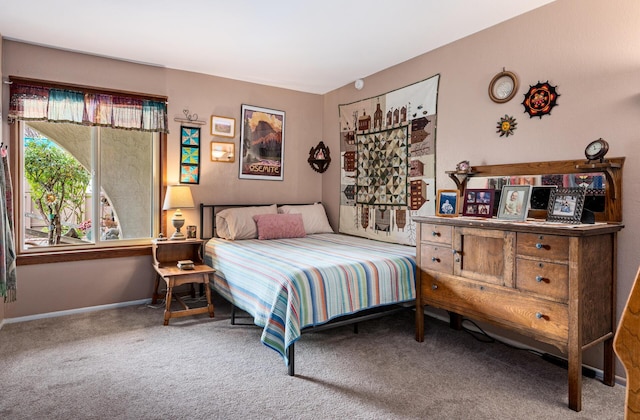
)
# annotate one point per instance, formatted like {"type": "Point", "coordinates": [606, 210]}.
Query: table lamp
{"type": "Point", "coordinates": [178, 197]}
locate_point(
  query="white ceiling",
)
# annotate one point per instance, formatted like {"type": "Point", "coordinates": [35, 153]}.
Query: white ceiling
{"type": "Point", "coordinates": [310, 46]}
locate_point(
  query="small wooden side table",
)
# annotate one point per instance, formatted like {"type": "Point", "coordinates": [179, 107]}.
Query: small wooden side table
{"type": "Point", "coordinates": [166, 255]}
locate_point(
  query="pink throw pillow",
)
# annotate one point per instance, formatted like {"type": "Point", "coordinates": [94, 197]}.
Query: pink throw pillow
{"type": "Point", "coordinates": [279, 226]}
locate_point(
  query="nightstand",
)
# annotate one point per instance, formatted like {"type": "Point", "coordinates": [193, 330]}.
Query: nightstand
{"type": "Point", "coordinates": [166, 255]}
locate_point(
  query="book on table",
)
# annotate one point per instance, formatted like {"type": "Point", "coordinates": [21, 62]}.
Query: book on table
{"type": "Point", "coordinates": [185, 265]}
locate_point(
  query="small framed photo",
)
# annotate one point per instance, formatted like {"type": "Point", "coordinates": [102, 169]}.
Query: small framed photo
{"type": "Point", "coordinates": [478, 203]}
{"type": "Point", "coordinates": [566, 205]}
{"type": "Point", "coordinates": [447, 203]}
{"type": "Point", "coordinates": [514, 202]}
{"type": "Point", "coordinates": [223, 126]}
{"type": "Point", "coordinates": [192, 231]}
{"type": "Point", "coordinates": [223, 152]}
{"type": "Point", "coordinates": [540, 196]}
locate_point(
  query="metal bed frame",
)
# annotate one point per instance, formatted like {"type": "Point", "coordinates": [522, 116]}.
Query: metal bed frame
{"type": "Point", "coordinates": [352, 319]}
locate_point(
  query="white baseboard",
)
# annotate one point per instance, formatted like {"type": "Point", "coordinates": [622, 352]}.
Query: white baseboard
{"type": "Point", "coordinates": [73, 311]}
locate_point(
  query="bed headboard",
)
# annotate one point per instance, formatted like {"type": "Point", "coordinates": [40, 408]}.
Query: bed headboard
{"type": "Point", "coordinates": [208, 215]}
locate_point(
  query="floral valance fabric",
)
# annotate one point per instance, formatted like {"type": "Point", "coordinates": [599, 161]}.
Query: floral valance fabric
{"type": "Point", "coordinates": [41, 103]}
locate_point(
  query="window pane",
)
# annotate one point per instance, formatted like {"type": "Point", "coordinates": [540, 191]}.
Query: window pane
{"type": "Point", "coordinates": [126, 174]}
{"type": "Point", "coordinates": [57, 173]}
{"type": "Point", "coordinates": [69, 201]}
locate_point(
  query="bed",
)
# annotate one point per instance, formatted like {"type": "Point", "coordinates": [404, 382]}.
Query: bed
{"type": "Point", "coordinates": [285, 267]}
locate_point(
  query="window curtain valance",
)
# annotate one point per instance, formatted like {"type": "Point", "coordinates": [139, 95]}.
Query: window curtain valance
{"type": "Point", "coordinates": [30, 101]}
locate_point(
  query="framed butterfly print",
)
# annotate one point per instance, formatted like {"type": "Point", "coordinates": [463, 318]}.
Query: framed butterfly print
{"type": "Point", "coordinates": [189, 155]}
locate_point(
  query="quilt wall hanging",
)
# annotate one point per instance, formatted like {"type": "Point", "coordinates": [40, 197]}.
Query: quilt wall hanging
{"type": "Point", "coordinates": [387, 151]}
{"type": "Point", "coordinates": [189, 155]}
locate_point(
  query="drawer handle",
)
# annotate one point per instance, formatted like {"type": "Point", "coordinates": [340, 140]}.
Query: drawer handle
{"type": "Point", "coordinates": [434, 286]}
{"type": "Point", "coordinates": [539, 315]}
{"type": "Point", "coordinates": [435, 259]}
{"type": "Point", "coordinates": [434, 233]}
{"type": "Point", "coordinates": [541, 246]}
{"type": "Point", "coordinates": [539, 279]}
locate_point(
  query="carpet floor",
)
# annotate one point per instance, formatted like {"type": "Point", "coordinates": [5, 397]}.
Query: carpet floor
{"type": "Point", "coordinates": [124, 364]}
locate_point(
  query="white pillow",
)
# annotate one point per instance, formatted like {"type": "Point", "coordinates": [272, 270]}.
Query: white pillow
{"type": "Point", "coordinates": [313, 216]}
{"type": "Point", "coordinates": [237, 222]}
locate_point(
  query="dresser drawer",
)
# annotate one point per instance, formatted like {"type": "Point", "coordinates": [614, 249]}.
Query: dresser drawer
{"type": "Point", "coordinates": [508, 307]}
{"type": "Point", "coordinates": [543, 278]}
{"type": "Point", "coordinates": [543, 246]}
{"type": "Point", "coordinates": [436, 233]}
{"type": "Point", "coordinates": [436, 258]}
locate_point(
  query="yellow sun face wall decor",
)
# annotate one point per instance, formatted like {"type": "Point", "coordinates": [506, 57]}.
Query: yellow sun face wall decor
{"type": "Point", "coordinates": [506, 125]}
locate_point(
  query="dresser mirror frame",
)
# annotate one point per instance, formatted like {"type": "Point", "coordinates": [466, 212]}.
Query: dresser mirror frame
{"type": "Point", "coordinates": [611, 170]}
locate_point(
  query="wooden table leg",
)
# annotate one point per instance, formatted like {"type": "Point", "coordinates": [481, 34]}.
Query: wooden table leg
{"type": "Point", "coordinates": [154, 297]}
{"type": "Point", "coordinates": [207, 292]}
{"type": "Point", "coordinates": [609, 365]}
{"type": "Point", "coordinates": [167, 310]}
{"type": "Point", "coordinates": [575, 377]}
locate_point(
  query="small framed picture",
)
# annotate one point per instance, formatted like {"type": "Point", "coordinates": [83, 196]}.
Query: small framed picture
{"type": "Point", "coordinates": [540, 196]}
{"type": "Point", "coordinates": [223, 152]}
{"type": "Point", "coordinates": [447, 203]}
{"type": "Point", "coordinates": [514, 202]}
{"type": "Point", "coordinates": [566, 205]}
{"type": "Point", "coordinates": [192, 232]}
{"type": "Point", "coordinates": [478, 203]}
{"type": "Point", "coordinates": [223, 126]}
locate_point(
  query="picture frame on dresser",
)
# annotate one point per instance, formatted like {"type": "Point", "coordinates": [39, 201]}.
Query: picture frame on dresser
{"type": "Point", "coordinates": [478, 202]}
{"type": "Point", "coordinates": [566, 205]}
{"type": "Point", "coordinates": [447, 203]}
{"type": "Point", "coordinates": [514, 202]}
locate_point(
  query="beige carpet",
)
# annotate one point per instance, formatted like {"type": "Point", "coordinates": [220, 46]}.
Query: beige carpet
{"type": "Point", "coordinates": [124, 364]}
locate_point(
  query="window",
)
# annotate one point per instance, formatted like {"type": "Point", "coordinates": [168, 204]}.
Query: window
{"type": "Point", "coordinates": [84, 182]}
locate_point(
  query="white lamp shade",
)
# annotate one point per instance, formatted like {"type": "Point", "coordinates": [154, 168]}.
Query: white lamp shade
{"type": "Point", "coordinates": [178, 197]}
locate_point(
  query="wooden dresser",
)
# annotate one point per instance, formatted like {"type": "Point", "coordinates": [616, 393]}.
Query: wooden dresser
{"type": "Point", "coordinates": [554, 283]}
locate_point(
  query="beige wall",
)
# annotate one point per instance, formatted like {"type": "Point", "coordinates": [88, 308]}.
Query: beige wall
{"type": "Point", "coordinates": [63, 286]}
{"type": "Point", "coordinates": [589, 48]}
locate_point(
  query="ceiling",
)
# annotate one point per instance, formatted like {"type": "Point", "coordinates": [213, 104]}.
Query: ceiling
{"type": "Point", "coordinates": [306, 46]}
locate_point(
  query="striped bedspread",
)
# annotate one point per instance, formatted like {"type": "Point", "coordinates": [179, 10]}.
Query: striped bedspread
{"type": "Point", "coordinates": [289, 284]}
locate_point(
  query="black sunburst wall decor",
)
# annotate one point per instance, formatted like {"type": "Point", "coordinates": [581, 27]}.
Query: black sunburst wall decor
{"type": "Point", "coordinates": [506, 125]}
{"type": "Point", "coordinates": [539, 100]}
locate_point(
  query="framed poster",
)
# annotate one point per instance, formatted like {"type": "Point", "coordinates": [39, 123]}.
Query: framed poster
{"type": "Point", "coordinates": [189, 155]}
{"type": "Point", "coordinates": [261, 143]}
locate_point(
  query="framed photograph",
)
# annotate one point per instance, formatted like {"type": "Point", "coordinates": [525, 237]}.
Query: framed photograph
{"type": "Point", "coordinates": [540, 196]}
{"type": "Point", "coordinates": [223, 126]}
{"type": "Point", "coordinates": [514, 202]}
{"type": "Point", "coordinates": [566, 205]}
{"type": "Point", "coordinates": [261, 143]}
{"type": "Point", "coordinates": [447, 203]}
{"type": "Point", "coordinates": [478, 202]}
{"type": "Point", "coordinates": [223, 152]}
